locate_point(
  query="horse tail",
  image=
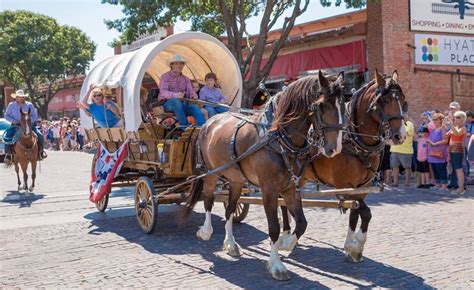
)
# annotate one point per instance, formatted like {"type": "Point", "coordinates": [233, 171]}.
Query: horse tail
{"type": "Point", "coordinates": [194, 196]}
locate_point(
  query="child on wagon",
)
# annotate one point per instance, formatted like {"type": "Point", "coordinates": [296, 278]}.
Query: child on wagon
{"type": "Point", "coordinates": [211, 93]}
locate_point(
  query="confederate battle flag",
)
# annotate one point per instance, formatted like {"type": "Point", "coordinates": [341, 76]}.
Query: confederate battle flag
{"type": "Point", "coordinates": [107, 167]}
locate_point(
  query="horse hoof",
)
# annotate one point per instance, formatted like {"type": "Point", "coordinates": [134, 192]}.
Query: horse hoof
{"type": "Point", "coordinates": [232, 250]}
{"type": "Point", "coordinates": [354, 258]}
{"type": "Point", "coordinates": [281, 275]}
{"type": "Point", "coordinates": [31, 189]}
{"type": "Point", "coordinates": [203, 235]}
{"type": "Point", "coordinates": [352, 255]}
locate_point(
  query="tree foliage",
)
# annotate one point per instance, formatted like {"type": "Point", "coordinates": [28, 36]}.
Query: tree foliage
{"type": "Point", "coordinates": [36, 52]}
{"type": "Point", "coordinates": [217, 17]}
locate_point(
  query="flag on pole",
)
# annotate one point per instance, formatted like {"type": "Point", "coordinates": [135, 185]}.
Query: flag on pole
{"type": "Point", "coordinates": [107, 167]}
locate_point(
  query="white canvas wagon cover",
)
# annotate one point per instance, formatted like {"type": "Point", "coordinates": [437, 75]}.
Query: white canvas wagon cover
{"type": "Point", "coordinates": [203, 53]}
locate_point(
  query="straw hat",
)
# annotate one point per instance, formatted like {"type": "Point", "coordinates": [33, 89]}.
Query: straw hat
{"type": "Point", "coordinates": [20, 93]}
{"type": "Point", "coordinates": [107, 92]}
{"type": "Point", "coordinates": [176, 58]}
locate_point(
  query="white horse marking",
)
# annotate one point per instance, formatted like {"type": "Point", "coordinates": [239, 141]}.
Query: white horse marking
{"type": "Point", "coordinates": [403, 131]}
{"type": "Point", "coordinates": [230, 245]}
{"type": "Point", "coordinates": [355, 246]}
{"type": "Point", "coordinates": [205, 231]}
{"type": "Point", "coordinates": [349, 238]}
{"type": "Point", "coordinates": [286, 241]}
{"type": "Point", "coordinates": [339, 137]}
{"type": "Point", "coordinates": [276, 267]}
{"type": "Point", "coordinates": [27, 129]}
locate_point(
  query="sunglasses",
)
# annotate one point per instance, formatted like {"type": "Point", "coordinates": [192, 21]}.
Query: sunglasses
{"type": "Point", "coordinates": [98, 96]}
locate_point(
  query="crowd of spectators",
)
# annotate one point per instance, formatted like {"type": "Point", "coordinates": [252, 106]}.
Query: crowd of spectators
{"type": "Point", "coordinates": [64, 134]}
{"type": "Point", "coordinates": [440, 150]}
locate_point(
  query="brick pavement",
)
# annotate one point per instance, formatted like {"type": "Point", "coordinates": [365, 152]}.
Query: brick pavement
{"type": "Point", "coordinates": [417, 239]}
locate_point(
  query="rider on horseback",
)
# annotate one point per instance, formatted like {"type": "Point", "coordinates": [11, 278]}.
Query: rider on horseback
{"type": "Point", "coordinates": [13, 115]}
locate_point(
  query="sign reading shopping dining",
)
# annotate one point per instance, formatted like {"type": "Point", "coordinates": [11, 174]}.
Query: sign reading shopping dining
{"type": "Point", "coordinates": [453, 16]}
{"type": "Point", "coordinates": [444, 50]}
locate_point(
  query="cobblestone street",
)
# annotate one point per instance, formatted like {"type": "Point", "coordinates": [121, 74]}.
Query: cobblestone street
{"type": "Point", "coordinates": [56, 238]}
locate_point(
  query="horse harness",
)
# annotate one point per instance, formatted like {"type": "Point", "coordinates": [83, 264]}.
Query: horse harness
{"type": "Point", "coordinates": [279, 141]}
{"type": "Point", "coordinates": [354, 145]}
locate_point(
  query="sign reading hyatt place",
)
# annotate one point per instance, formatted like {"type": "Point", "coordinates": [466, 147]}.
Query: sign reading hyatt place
{"type": "Point", "coordinates": [453, 16]}
{"type": "Point", "coordinates": [444, 50]}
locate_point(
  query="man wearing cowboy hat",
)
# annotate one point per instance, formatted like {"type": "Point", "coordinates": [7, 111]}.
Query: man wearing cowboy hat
{"type": "Point", "coordinates": [13, 115]}
{"type": "Point", "coordinates": [174, 87]}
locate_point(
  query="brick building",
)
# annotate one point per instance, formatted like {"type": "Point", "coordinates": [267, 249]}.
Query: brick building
{"type": "Point", "coordinates": [391, 45]}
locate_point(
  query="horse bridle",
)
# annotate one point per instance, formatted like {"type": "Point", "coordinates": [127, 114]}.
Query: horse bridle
{"type": "Point", "coordinates": [320, 127]}
{"type": "Point", "coordinates": [375, 106]}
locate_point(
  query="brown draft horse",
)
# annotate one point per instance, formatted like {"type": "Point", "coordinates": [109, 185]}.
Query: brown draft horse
{"type": "Point", "coordinates": [26, 151]}
{"type": "Point", "coordinates": [311, 101]}
{"type": "Point", "coordinates": [376, 118]}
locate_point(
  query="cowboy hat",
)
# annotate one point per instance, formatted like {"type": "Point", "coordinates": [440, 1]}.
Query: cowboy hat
{"type": "Point", "coordinates": [176, 58]}
{"type": "Point", "coordinates": [107, 92]}
{"type": "Point", "coordinates": [19, 93]}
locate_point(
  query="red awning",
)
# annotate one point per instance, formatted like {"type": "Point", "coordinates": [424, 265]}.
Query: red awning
{"type": "Point", "coordinates": [345, 55]}
{"type": "Point", "coordinates": [65, 100]}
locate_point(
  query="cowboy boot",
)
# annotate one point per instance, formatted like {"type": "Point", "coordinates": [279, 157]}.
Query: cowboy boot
{"type": "Point", "coordinates": [41, 153]}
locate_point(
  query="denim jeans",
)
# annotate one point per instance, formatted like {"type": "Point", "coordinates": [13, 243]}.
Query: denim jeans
{"type": "Point", "coordinates": [454, 178]}
{"type": "Point", "coordinates": [182, 109]}
{"type": "Point", "coordinates": [211, 111]}
{"type": "Point", "coordinates": [440, 172]}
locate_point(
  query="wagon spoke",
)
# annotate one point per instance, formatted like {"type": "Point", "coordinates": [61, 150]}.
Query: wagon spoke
{"type": "Point", "coordinates": [146, 218]}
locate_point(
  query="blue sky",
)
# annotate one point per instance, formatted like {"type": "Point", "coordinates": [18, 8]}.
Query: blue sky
{"type": "Point", "coordinates": [89, 15]}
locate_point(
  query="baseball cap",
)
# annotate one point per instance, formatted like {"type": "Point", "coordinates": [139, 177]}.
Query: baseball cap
{"type": "Point", "coordinates": [423, 130]}
{"type": "Point", "coordinates": [454, 105]}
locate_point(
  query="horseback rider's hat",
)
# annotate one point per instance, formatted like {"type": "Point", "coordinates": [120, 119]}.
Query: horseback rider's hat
{"type": "Point", "coordinates": [19, 93]}
{"type": "Point", "coordinates": [176, 58]}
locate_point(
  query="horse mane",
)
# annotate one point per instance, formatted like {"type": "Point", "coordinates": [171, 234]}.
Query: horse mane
{"type": "Point", "coordinates": [294, 101]}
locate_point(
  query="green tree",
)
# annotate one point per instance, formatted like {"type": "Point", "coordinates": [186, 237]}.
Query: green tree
{"type": "Point", "coordinates": [40, 55]}
{"type": "Point", "coordinates": [217, 17]}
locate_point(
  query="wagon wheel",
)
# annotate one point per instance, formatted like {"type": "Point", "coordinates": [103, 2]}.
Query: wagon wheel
{"type": "Point", "coordinates": [146, 204]}
{"type": "Point", "coordinates": [101, 205]}
{"type": "Point", "coordinates": [241, 210]}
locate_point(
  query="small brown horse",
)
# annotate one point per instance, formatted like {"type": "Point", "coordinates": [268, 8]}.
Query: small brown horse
{"type": "Point", "coordinates": [376, 118]}
{"type": "Point", "coordinates": [26, 151]}
{"type": "Point", "coordinates": [311, 101]}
